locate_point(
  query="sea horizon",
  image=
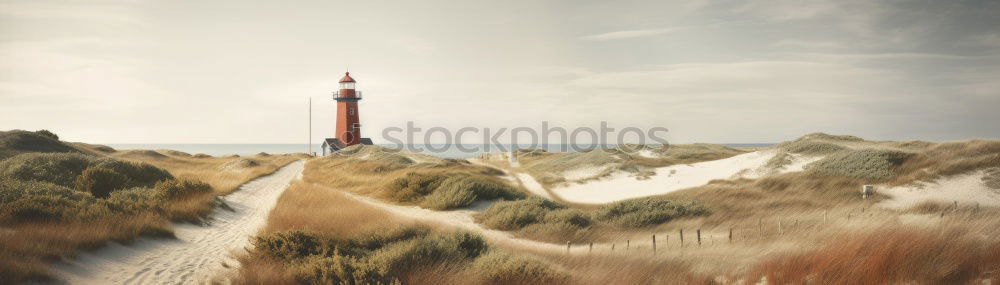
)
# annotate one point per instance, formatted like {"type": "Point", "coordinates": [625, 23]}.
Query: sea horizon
{"type": "Point", "coordinates": [439, 150]}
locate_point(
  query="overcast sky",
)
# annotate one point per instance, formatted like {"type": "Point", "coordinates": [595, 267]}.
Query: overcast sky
{"type": "Point", "coordinates": [710, 71]}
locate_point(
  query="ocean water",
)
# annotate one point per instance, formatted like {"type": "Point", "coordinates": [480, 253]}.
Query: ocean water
{"type": "Point", "coordinates": [446, 151]}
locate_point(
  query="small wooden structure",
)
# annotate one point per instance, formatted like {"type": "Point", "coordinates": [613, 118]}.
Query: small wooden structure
{"type": "Point", "coordinates": [867, 191]}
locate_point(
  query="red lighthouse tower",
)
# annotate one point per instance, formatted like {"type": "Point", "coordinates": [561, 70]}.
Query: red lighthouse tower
{"type": "Point", "coordinates": [348, 131]}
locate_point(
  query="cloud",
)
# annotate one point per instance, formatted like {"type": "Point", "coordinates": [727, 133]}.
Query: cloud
{"type": "Point", "coordinates": [628, 34]}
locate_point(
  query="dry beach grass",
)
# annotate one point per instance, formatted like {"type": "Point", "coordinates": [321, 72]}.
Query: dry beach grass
{"type": "Point", "coordinates": [58, 198]}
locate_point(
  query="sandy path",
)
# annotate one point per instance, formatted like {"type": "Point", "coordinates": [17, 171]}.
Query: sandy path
{"type": "Point", "coordinates": [461, 218]}
{"type": "Point", "coordinates": [199, 252]}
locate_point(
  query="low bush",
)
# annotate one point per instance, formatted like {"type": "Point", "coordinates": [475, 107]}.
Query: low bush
{"type": "Point", "coordinates": [174, 189]}
{"type": "Point", "coordinates": [383, 258]}
{"type": "Point", "coordinates": [448, 191]}
{"type": "Point", "coordinates": [139, 174]}
{"type": "Point", "coordinates": [57, 168]}
{"type": "Point", "coordinates": [100, 181]}
{"type": "Point", "coordinates": [650, 211]}
{"type": "Point", "coordinates": [498, 267]}
{"type": "Point", "coordinates": [64, 169]}
{"type": "Point", "coordinates": [874, 164]}
{"type": "Point", "coordinates": [22, 201]}
{"type": "Point", "coordinates": [513, 215]}
{"type": "Point", "coordinates": [135, 200]}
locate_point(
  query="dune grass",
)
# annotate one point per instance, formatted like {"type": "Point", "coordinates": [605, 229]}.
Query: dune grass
{"type": "Point", "coordinates": [438, 184]}
{"type": "Point", "coordinates": [903, 255]}
{"type": "Point", "coordinates": [545, 220]}
{"type": "Point", "coordinates": [314, 235]}
{"type": "Point", "coordinates": [225, 174]}
{"type": "Point", "coordinates": [53, 204]}
{"type": "Point", "coordinates": [57, 198]}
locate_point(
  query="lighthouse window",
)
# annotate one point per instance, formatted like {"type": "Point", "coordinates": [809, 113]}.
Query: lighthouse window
{"type": "Point", "coordinates": [347, 85]}
{"type": "Point", "coordinates": [352, 111]}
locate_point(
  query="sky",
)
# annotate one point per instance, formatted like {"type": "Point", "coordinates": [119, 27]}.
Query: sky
{"type": "Point", "coordinates": [709, 71]}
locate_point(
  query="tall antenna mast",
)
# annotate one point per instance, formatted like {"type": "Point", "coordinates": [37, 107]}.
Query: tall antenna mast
{"type": "Point", "coordinates": [310, 126]}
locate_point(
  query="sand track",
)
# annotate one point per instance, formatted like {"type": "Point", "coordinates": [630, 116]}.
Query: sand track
{"type": "Point", "coordinates": [199, 254]}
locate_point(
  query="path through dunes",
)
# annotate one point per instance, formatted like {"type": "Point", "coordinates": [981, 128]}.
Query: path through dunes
{"type": "Point", "coordinates": [198, 254]}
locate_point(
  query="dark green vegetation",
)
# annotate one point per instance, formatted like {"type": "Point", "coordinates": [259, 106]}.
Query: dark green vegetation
{"type": "Point", "coordinates": [73, 186]}
{"type": "Point", "coordinates": [547, 220]}
{"type": "Point", "coordinates": [385, 257]}
{"type": "Point", "coordinates": [862, 163]}
{"type": "Point", "coordinates": [57, 197]}
{"type": "Point", "coordinates": [441, 191]}
{"type": "Point", "coordinates": [644, 212]}
{"type": "Point", "coordinates": [17, 141]}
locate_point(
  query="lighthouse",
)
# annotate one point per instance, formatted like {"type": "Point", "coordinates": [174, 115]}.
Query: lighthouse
{"type": "Point", "coordinates": [348, 130]}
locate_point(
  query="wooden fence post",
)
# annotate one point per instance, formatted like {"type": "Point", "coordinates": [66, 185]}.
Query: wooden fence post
{"type": "Point", "coordinates": [567, 247]}
{"type": "Point", "coordinates": [628, 244]}
{"type": "Point", "coordinates": [612, 247]}
{"type": "Point", "coordinates": [682, 237]}
{"type": "Point", "coordinates": [779, 228]}
{"type": "Point", "coordinates": [654, 244]}
{"type": "Point", "coordinates": [730, 235]}
{"type": "Point", "coordinates": [698, 232]}
{"type": "Point", "coordinates": [760, 227]}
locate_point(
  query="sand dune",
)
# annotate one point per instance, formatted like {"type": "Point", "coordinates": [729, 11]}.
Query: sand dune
{"type": "Point", "coordinates": [198, 254]}
{"type": "Point", "coordinates": [966, 189]}
{"type": "Point", "coordinates": [621, 186]}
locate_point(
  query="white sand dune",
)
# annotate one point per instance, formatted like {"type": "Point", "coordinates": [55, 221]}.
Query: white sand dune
{"type": "Point", "coordinates": [620, 186]}
{"type": "Point", "coordinates": [197, 255]}
{"type": "Point", "coordinates": [967, 189]}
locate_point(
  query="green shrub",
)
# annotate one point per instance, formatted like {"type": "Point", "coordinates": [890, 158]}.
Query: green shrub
{"type": "Point", "coordinates": [340, 269]}
{"type": "Point", "coordinates": [413, 186]}
{"type": "Point", "coordinates": [99, 181]}
{"type": "Point", "coordinates": [57, 168]}
{"type": "Point", "coordinates": [173, 189]}
{"type": "Point", "coordinates": [374, 259]}
{"type": "Point", "coordinates": [499, 267]}
{"type": "Point", "coordinates": [402, 256]}
{"type": "Point", "coordinates": [36, 200]}
{"type": "Point", "coordinates": [442, 192]}
{"type": "Point", "coordinates": [135, 200]}
{"type": "Point", "coordinates": [139, 174]}
{"type": "Point", "coordinates": [291, 245]}
{"type": "Point", "coordinates": [513, 215]}
{"type": "Point", "coordinates": [649, 211]}
{"type": "Point", "coordinates": [574, 217]}
{"type": "Point", "coordinates": [448, 198]}
{"type": "Point", "coordinates": [864, 164]}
